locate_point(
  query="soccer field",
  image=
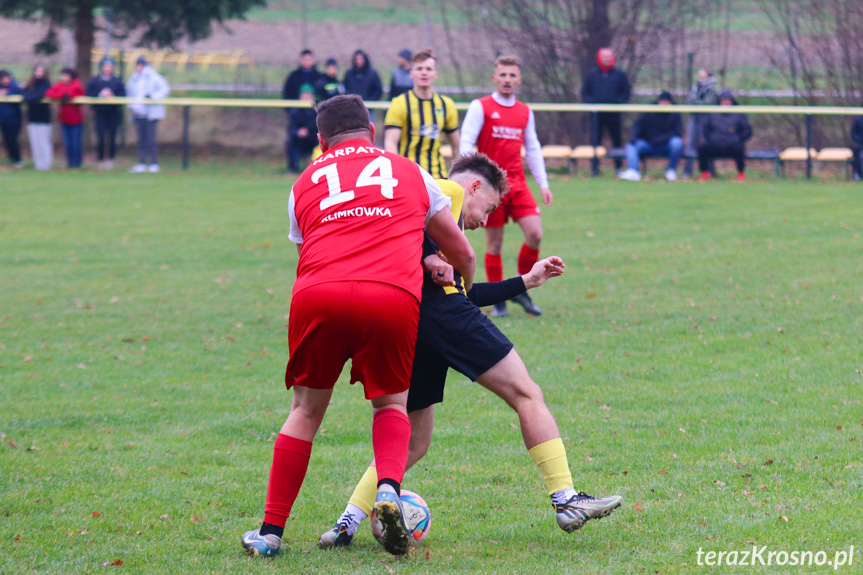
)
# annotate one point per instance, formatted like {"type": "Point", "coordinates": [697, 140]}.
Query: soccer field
{"type": "Point", "coordinates": [702, 356]}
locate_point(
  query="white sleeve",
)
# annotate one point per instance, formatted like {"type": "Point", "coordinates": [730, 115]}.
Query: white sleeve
{"type": "Point", "coordinates": [295, 235]}
{"type": "Point", "coordinates": [533, 153]}
{"type": "Point", "coordinates": [437, 199]}
{"type": "Point", "coordinates": [471, 127]}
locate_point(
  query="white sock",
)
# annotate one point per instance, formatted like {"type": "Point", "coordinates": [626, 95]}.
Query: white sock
{"type": "Point", "coordinates": [562, 496]}
{"type": "Point", "coordinates": [352, 517]}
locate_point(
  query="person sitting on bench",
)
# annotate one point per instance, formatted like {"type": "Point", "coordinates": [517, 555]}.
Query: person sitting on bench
{"type": "Point", "coordinates": [725, 136]}
{"type": "Point", "coordinates": [655, 134]}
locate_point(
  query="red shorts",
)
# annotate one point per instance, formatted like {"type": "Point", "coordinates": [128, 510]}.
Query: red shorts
{"type": "Point", "coordinates": [374, 324]}
{"type": "Point", "coordinates": [518, 203]}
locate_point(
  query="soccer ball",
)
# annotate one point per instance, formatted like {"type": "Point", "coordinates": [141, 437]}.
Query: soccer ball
{"type": "Point", "coordinates": [417, 517]}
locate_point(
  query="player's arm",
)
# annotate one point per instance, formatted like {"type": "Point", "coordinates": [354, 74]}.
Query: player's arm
{"type": "Point", "coordinates": [533, 158]}
{"type": "Point", "coordinates": [454, 140]}
{"type": "Point", "coordinates": [449, 238]}
{"type": "Point", "coordinates": [444, 231]}
{"type": "Point", "coordinates": [451, 127]}
{"type": "Point", "coordinates": [295, 234]}
{"type": "Point", "coordinates": [491, 293]}
{"type": "Point", "coordinates": [392, 136]}
{"type": "Point", "coordinates": [471, 127]}
{"type": "Point", "coordinates": [394, 123]}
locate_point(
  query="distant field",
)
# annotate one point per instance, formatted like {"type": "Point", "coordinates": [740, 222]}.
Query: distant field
{"type": "Point", "coordinates": [702, 355]}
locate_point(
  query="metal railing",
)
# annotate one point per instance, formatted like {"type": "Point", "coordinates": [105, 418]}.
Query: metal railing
{"type": "Point", "coordinates": [187, 103]}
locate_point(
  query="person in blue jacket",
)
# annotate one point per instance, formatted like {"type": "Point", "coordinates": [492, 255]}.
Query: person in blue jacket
{"type": "Point", "coordinates": [10, 117]}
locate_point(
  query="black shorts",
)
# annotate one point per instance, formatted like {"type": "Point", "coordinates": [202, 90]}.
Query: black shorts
{"type": "Point", "coordinates": [454, 333]}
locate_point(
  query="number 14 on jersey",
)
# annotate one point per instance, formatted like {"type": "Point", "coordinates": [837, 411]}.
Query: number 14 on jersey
{"type": "Point", "coordinates": [380, 165]}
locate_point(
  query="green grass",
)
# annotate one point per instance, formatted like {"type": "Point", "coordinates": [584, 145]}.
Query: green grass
{"type": "Point", "coordinates": [700, 333]}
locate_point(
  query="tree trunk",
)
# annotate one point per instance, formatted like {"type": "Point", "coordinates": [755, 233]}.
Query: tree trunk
{"type": "Point", "coordinates": [84, 38]}
{"type": "Point", "coordinates": [598, 32]}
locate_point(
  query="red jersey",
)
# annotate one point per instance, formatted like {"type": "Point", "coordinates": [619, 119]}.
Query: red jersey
{"type": "Point", "coordinates": [70, 114]}
{"type": "Point", "coordinates": [360, 213]}
{"type": "Point", "coordinates": [502, 137]}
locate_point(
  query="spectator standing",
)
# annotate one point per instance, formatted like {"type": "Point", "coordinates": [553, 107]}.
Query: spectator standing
{"type": "Point", "coordinates": [146, 83]}
{"type": "Point", "coordinates": [10, 118]}
{"type": "Point", "coordinates": [302, 131]}
{"type": "Point", "coordinates": [71, 116]}
{"type": "Point", "coordinates": [402, 81]}
{"type": "Point", "coordinates": [328, 85]}
{"type": "Point", "coordinates": [39, 118]}
{"type": "Point", "coordinates": [703, 93]}
{"type": "Point", "coordinates": [857, 137]}
{"type": "Point", "coordinates": [605, 84]}
{"type": "Point", "coordinates": [362, 79]}
{"type": "Point", "coordinates": [724, 136]}
{"type": "Point", "coordinates": [655, 134]}
{"type": "Point", "coordinates": [108, 116]}
{"type": "Point", "coordinates": [306, 73]}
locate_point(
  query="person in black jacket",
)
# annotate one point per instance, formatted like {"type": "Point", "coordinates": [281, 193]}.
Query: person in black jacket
{"type": "Point", "coordinates": [10, 118]}
{"type": "Point", "coordinates": [302, 131]}
{"type": "Point", "coordinates": [108, 116]}
{"type": "Point", "coordinates": [39, 118]}
{"type": "Point", "coordinates": [307, 73]}
{"type": "Point", "coordinates": [362, 79]}
{"type": "Point", "coordinates": [655, 134]}
{"type": "Point", "coordinates": [605, 84]}
{"type": "Point", "coordinates": [328, 85]}
{"type": "Point", "coordinates": [857, 137]}
{"type": "Point", "coordinates": [725, 136]}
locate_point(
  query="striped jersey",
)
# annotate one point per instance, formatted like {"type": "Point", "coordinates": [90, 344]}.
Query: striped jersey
{"type": "Point", "coordinates": [422, 123]}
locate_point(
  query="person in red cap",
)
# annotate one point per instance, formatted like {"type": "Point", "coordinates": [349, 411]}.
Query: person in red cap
{"type": "Point", "coordinates": [605, 84]}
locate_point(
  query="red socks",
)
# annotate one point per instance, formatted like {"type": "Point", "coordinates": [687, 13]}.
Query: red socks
{"type": "Point", "coordinates": [290, 462]}
{"type": "Point", "coordinates": [493, 268]}
{"type": "Point", "coordinates": [391, 434]}
{"type": "Point", "coordinates": [526, 258]}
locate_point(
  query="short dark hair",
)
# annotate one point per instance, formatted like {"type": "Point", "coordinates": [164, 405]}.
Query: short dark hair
{"type": "Point", "coordinates": [4, 73]}
{"type": "Point", "coordinates": [71, 73]}
{"type": "Point", "coordinates": [484, 167]}
{"type": "Point", "coordinates": [342, 115]}
{"type": "Point", "coordinates": [423, 55]}
{"type": "Point", "coordinates": [307, 52]}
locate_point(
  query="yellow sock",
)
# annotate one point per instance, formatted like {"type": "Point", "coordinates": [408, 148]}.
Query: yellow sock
{"type": "Point", "coordinates": [550, 457]}
{"type": "Point", "coordinates": [366, 491]}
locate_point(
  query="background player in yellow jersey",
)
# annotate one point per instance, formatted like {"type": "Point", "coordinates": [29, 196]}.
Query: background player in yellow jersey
{"type": "Point", "coordinates": [418, 119]}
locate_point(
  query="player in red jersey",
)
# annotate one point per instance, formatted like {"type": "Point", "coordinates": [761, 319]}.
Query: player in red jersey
{"type": "Point", "coordinates": [499, 125]}
{"type": "Point", "coordinates": [357, 215]}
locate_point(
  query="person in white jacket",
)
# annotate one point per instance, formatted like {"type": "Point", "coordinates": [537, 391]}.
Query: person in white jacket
{"type": "Point", "coordinates": [146, 83]}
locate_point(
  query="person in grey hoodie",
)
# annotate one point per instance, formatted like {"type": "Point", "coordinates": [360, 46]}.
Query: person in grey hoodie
{"type": "Point", "coordinates": [402, 81]}
{"type": "Point", "coordinates": [10, 117]}
{"type": "Point", "coordinates": [147, 84]}
{"type": "Point", "coordinates": [704, 92]}
{"type": "Point", "coordinates": [725, 136]}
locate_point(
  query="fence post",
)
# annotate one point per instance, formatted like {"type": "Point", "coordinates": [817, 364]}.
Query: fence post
{"type": "Point", "coordinates": [808, 146]}
{"type": "Point", "coordinates": [186, 138]}
{"type": "Point", "coordinates": [594, 141]}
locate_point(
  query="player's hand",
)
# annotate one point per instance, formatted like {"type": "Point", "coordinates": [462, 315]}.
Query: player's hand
{"type": "Point", "coordinates": [441, 272]}
{"type": "Point", "coordinates": [547, 198]}
{"type": "Point", "coordinates": [542, 270]}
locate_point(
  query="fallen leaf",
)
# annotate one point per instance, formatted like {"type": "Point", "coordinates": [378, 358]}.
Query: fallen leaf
{"type": "Point", "coordinates": [80, 366]}
{"type": "Point", "coordinates": [590, 234]}
{"type": "Point", "coordinates": [638, 507]}
{"type": "Point", "coordinates": [164, 517]}
{"type": "Point", "coordinates": [32, 448]}
{"type": "Point", "coordinates": [709, 537]}
{"type": "Point", "coordinates": [702, 523]}
{"type": "Point", "coordinates": [84, 532]}
{"type": "Point", "coordinates": [713, 318]}
{"type": "Point", "coordinates": [65, 443]}
{"type": "Point", "coordinates": [96, 513]}
{"type": "Point", "coordinates": [28, 358]}
{"type": "Point", "coordinates": [184, 472]}
{"type": "Point", "coordinates": [768, 462]}
{"type": "Point", "coordinates": [117, 563]}
{"type": "Point", "coordinates": [782, 517]}
{"type": "Point", "coordinates": [591, 295]}
{"type": "Point", "coordinates": [719, 483]}
{"type": "Point", "coordinates": [606, 406]}
{"type": "Point", "coordinates": [13, 443]}
{"type": "Point", "coordinates": [663, 472]}
{"type": "Point", "coordinates": [681, 430]}
{"type": "Point", "coordinates": [195, 519]}
{"type": "Point", "coordinates": [493, 541]}
{"type": "Point", "coordinates": [17, 539]}
{"type": "Point", "coordinates": [838, 428]}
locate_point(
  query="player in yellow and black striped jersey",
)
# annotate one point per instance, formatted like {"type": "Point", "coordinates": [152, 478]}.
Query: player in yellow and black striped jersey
{"type": "Point", "coordinates": [454, 333]}
{"type": "Point", "coordinates": [417, 120]}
